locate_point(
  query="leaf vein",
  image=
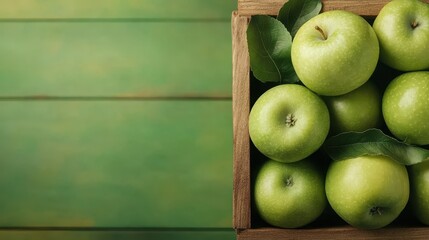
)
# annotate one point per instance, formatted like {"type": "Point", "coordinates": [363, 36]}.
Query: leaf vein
{"type": "Point", "coordinates": [266, 50]}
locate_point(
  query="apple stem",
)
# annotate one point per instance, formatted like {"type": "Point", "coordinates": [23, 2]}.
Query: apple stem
{"type": "Point", "coordinates": [414, 24]}
{"type": "Point", "coordinates": [290, 120]}
{"type": "Point", "coordinates": [321, 32]}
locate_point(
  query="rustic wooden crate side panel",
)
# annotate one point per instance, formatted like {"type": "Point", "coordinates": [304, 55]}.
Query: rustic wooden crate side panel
{"type": "Point", "coordinates": [115, 164]}
{"type": "Point", "coordinates": [241, 108]}
{"type": "Point", "coordinates": [272, 7]}
{"type": "Point", "coordinates": [121, 59]}
{"type": "Point", "coordinates": [154, 9]}
{"type": "Point", "coordinates": [346, 232]}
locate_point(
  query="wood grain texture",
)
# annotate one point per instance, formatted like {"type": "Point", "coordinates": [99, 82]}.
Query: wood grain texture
{"type": "Point", "coordinates": [399, 233]}
{"type": "Point", "coordinates": [154, 9]}
{"type": "Point", "coordinates": [121, 59]}
{"type": "Point", "coordinates": [272, 7]}
{"type": "Point", "coordinates": [241, 109]}
{"type": "Point", "coordinates": [115, 164]}
{"type": "Point", "coordinates": [81, 146]}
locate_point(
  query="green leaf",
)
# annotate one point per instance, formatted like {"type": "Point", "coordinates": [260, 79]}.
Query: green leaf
{"type": "Point", "coordinates": [295, 13]}
{"type": "Point", "coordinates": [269, 49]}
{"type": "Point", "coordinates": [373, 142]}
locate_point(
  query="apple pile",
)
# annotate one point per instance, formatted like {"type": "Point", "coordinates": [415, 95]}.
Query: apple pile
{"type": "Point", "coordinates": [335, 55]}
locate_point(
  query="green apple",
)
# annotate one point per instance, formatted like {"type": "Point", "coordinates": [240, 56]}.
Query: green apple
{"type": "Point", "coordinates": [335, 52]}
{"type": "Point", "coordinates": [405, 107]}
{"type": "Point", "coordinates": [402, 28]}
{"type": "Point", "coordinates": [288, 122]}
{"type": "Point", "coordinates": [290, 195]}
{"type": "Point", "coordinates": [419, 195]}
{"type": "Point", "coordinates": [367, 192]}
{"type": "Point", "coordinates": [356, 111]}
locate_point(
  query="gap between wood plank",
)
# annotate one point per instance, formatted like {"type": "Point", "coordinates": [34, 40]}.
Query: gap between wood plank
{"type": "Point", "coordinates": [184, 20]}
{"type": "Point", "coordinates": [117, 98]}
{"type": "Point", "coordinates": [120, 229]}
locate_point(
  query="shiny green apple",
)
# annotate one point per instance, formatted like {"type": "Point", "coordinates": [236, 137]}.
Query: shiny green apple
{"type": "Point", "coordinates": [419, 195]}
{"type": "Point", "coordinates": [335, 52]}
{"type": "Point", "coordinates": [405, 107]}
{"type": "Point", "coordinates": [290, 195]}
{"type": "Point", "coordinates": [357, 110]}
{"type": "Point", "coordinates": [367, 192]}
{"type": "Point", "coordinates": [402, 27]}
{"type": "Point", "coordinates": [288, 123]}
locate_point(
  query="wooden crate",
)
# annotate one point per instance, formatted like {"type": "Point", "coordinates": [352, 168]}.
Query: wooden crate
{"type": "Point", "coordinates": [245, 222]}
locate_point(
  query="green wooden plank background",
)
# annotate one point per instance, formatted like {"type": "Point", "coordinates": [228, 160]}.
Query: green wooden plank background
{"type": "Point", "coordinates": [115, 59]}
{"type": "Point", "coordinates": [115, 164]}
{"type": "Point", "coordinates": [134, 139]}
{"type": "Point", "coordinates": [165, 9]}
{"type": "Point", "coordinates": [188, 234]}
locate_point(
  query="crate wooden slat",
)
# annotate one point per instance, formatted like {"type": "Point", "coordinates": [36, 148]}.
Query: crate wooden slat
{"type": "Point", "coordinates": [414, 233]}
{"type": "Point", "coordinates": [241, 109]}
{"type": "Point", "coordinates": [242, 215]}
{"type": "Point", "coordinates": [271, 7]}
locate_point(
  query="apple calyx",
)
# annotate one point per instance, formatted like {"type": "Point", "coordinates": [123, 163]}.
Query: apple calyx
{"type": "Point", "coordinates": [321, 32]}
{"type": "Point", "coordinates": [414, 24]}
{"type": "Point", "coordinates": [290, 120]}
{"type": "Point", "coordinates": [376, 211]}
{"type": "Point", "coordinates": [288, 181]}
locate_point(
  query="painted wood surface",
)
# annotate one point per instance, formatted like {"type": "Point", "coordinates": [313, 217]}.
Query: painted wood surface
{"type": "Point", "coordinates": [100, 234]}
{"type": "Point", "coordinates": [125, 59]}
{"type": "Point", "coordinates": [115, 119]}
{"type": "Point", "coordinates": [115, 164]}
{"type": "Point", "coordinates": [158, 9]}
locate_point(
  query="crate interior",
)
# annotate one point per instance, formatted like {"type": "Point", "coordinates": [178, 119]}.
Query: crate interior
{"type": "Point", "coordinates": [329, 218]}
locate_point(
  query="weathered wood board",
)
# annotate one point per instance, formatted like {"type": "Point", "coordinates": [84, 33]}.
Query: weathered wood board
{"type": "Point", "coordinates": [115, 164]}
